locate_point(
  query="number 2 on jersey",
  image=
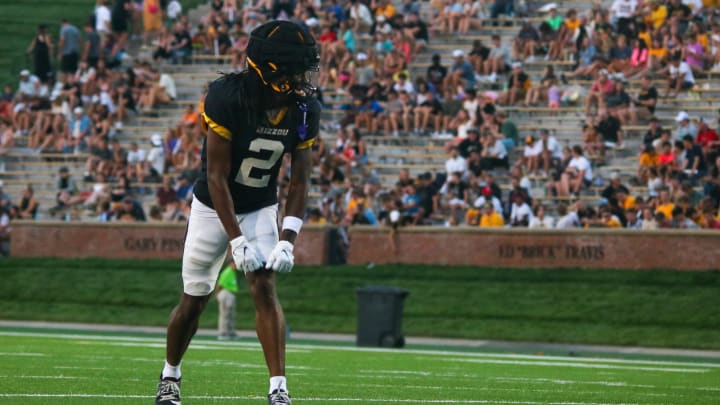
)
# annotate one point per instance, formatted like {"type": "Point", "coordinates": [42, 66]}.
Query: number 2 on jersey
{"type": "Point", "coordinates": [248, 164]}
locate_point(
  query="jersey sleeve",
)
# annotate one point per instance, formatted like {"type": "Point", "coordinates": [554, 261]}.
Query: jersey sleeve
{"type": "Point", "coordinates": [217, 114]}
{"type": "Point", "coordinates": [312, 123]}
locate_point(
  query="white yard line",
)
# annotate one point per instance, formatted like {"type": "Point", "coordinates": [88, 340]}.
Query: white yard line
{"type": "Point", "coordinates": [492, 389]}
{"type": "Point", "coordinates": [564, 382]}
{"type": "Point", "coordinates": [362, 400]}
{"type": "Point", "coordinates": [44, 377]}
{"type": "Point", "coordinates": [476, 344]}
{"type": "Point", "coordinates": [22, 354]}
{"type": "Point", "coordinates": [209, 345]}
{"type": "Point", "coordinates": [577, 365]}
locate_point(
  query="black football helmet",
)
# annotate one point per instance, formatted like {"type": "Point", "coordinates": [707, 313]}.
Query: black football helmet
{"type": "Point", "coordinates": [285, 57]}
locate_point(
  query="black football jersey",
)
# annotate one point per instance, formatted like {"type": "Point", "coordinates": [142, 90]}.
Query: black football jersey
{"type": "Point", "coordinates": [257, 150]}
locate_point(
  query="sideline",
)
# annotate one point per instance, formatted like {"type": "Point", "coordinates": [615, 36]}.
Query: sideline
{"type": "Point", "coordinates": [573, 349]}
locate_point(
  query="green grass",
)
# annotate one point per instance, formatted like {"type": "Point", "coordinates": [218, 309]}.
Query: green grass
{"type": "Point", "coordinates": [647, 308]}
{"type": "Point", "coordinates": [19, 21]}
{"type": "Point", "coordinates": [47, 368]}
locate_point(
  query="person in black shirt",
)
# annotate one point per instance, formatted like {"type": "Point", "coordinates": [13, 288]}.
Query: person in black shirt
{"type": "Point", "coordinates": [428, 196]}
{"type": "Point", "coordinates": [652, 133]}
{"type": "Point", "coordinates": [526, 41]}
{"type": "Point", "coordinates": [131, 210]}
{"type": "Point", "coordinates": [645, 102]}
{"type": "Point", "coordinates": [471, 143]}
{"type": "Point", "coordinates": [695, 166]}
{"type": "Point", "coordinates": [217, 5]}
{"type": "Point", "coordinates": [517, 85]}
{"type": "Point", "coordinates": [681, 12]}
{"type": "Point", "coordinates": [614, 186]}
{"type": "Point", "coordinates": [478, 55]}
{"type": "Point", "coordinates": [474, 163]}
{"type": "Point", "coordinates": [223, 40]}
{"type": "Point", "coordinates": [436, 73]}
{"type": "Point", "coordinates": [119, 16]}
{"type": "Point", "coordinates": [489, 182]}
{"type": "Point", "coordinates": [456, 191]}
{"type": "Point", "coordinates": [252, 118]}
{"type": "Point", "coordinates": [610, 129]}
{"type": "Point", "coordinates": [182, 46]}
{"type": "Point", "coordinates": [619, 102]}
{"type": "Point", "coordinates": [417, 29]}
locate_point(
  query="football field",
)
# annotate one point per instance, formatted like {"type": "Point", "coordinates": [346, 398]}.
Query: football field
{"type": "Point", "coordinates": [46, 367]}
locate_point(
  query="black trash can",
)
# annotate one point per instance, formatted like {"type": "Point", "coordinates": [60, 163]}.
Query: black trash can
{"type": "Point", "coordinates": [380, 311]}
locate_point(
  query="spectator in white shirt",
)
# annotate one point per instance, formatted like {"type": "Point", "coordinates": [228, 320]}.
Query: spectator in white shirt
{"type": "Point", "coordinates": [136, 160]}
{"type": "Point", "coordinates": [622, 13]}
{"type": "Point", "coordinates": [174, 9]}
{"type": "Point", "coordinates": [156, 156]}
{"type": "Point", "coordinates": [577, 175]}
{"type": "Point", "coordinates": [520, 211]}
{"type": "Point", "coordinates": [540, 220]}
{"type": "Point", "coordinates": [695, 5]}
{"type": "Point", "coordinates": [102, 18]}
{"type": "Point", "coordinates": [361, 16]}
{"type": "Point", "coordinates": [567, 220]}
{"type": "Point", "coordinates": [487, 196]}
{"type": "Point", "coordinates": [455, 163]}
{"type": "Point", "coordinates": [680, 77]}
{"type": "Point", "coordinates": [403, 84]}
{"type": "Point", "coordinates": [29, 85]}
{"type": "Point", "coordinates": [546, 151]}
{"type": "Point", "coordinates": [162, 92]}
{"type": "Point", "coordinates": [493, 154]}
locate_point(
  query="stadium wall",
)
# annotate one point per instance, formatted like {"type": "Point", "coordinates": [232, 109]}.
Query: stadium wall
{"type": "Point", "coordinates": [128, 241]}
{"type": "Point", "coordinates": [586, 248]}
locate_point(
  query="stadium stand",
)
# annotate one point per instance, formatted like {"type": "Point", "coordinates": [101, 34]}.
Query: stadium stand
{"type": "Point", "coordinates": [566, 114]}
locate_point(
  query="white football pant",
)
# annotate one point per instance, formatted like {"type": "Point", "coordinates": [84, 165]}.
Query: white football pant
{"type": "Point", "coordinates": [206, 244]}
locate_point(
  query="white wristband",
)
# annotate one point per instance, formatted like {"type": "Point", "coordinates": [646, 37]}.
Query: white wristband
{"type": "Point", "coordinates": [292, 223]}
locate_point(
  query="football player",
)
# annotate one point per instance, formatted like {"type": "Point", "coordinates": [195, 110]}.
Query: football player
{"type": "Point", "coordinates": [252, 119]}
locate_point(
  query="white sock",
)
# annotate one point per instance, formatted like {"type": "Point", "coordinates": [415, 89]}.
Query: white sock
{"type": "Point", "coordinates": [171, 371]}
{"type": "Point", "coordinates": [278, 383]}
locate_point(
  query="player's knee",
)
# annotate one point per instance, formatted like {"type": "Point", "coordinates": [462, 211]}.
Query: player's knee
{"type": "Point", "coordinates": [198, 288]}
{"type": "Point", "coordinates": [192, 306]}
{"type": "Point", "coordinates": [263, 289]}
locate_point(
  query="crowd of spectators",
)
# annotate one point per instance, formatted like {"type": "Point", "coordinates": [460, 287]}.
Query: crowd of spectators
{"type": "Point", "coordinates": [645, 44]}
{"type": "Point", "coordinates": [73, 99]}
{"type": "Point", "coordinates": [494, 176]}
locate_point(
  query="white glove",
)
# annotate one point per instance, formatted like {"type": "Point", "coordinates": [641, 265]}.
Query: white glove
{"type": "Point", "coordinates": [281, 258]}
{"type": "Point", "coordinates": [244, 255]}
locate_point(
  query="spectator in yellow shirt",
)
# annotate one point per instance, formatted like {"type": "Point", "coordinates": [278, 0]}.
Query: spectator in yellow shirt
{"type": "Point", "coordinates": [315, 217]}
{"type": "Point", "coordinates": [665, 205]}
{"type": "Point", "coordinates": [625, 201]}
{"type": "Point", "coordinates": [610, 220]}
{"type": "Point", "coordinates": [658, 14]}
{"type": "Point", "coordinates": [490, 218]}
{"type": "Point", "coordinates": [649, 158]}
{"type": "Point", "coordinates": [386, 9]}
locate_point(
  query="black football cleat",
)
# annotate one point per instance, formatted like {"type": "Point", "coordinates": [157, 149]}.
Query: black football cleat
{"type": "Point", "coordinates": [168, 392]}
{"type": "Point", "coordinates": [279, 397]}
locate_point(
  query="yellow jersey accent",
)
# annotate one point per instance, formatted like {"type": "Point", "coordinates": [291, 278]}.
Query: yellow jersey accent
{"type": "Point", "coordinates": [278, 117]}
{"type": "Point", "coordinates": [307, 144]}
{"type": "Point", "coordinates": [219, 129]}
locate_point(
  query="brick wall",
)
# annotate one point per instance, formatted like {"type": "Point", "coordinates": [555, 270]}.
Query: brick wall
{"type": "Point", "coordinates": [597, 248]}
{"type": "Point", "coordinates": [128, 241]}
{"type": "Point", "coordinates": [608, 249]}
